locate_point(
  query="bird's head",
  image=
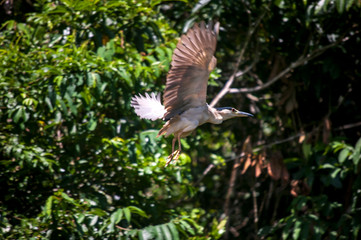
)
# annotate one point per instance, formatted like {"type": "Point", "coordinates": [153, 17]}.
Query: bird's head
{"type": "Point", "coordinates": [229, 112]}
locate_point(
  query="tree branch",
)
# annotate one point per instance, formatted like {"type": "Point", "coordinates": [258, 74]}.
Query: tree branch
{"type": "Point", "coordinates": [300, 61]}
{"type": "Point", "coordinates": [229, 82]}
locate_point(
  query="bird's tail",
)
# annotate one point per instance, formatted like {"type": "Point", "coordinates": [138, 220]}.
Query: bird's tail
{"type": "Point", "coordinates": [148, 106]}
{"type": "Point", "coordinates": [164, 129]}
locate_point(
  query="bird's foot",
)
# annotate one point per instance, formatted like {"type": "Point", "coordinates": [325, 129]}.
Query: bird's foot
{"type": "Point", "coordinates": [174, 156]}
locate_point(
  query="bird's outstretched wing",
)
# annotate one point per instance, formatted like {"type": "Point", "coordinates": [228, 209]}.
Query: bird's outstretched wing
{"type": "Point", "coordinates": [192, 63]}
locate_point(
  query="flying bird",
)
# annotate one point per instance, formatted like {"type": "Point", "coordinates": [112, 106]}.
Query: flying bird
{"type": "Point", "coordinates": [184, 105]}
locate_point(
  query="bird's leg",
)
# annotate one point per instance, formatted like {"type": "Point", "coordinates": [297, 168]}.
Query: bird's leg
{"type": "Point", "coordinates": [175, 153]}
{"type": "Point", "coordinates": [179, 144]}
{"type": "Point", "coordinates": [170, 157]}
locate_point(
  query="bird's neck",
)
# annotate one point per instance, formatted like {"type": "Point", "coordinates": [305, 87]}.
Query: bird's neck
{"type": "Point", "coordinates": [215, 116]}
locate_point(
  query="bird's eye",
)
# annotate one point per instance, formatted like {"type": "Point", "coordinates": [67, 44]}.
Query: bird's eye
{"type": "Point", "coordinates": [234, 110]}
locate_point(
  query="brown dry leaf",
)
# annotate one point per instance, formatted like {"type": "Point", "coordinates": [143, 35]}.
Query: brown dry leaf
{"type": "Point", "coordinates": [259, 164]}
{"type": "Point", "coordinates": [285, 175]}
{"type": "Point", "coordinates": [258, 169]}
{"type": "Point", "coordinates": [294, 188]}
{"type": "Point", "coordinates": [254, 162]}
{"type": "Point", "coordinates": [247, 147]}
{"type": "Point", "coordinates": [302, 137]}
{"type": "Point", "coordinates": [276, 168]}
{"type": "Point", "coordinates": [247, 163]}
{"type": "Point", "coordinates": [247, 150]}
{"type": "Point", "coordinates": [288, 97]}
{"type": "Point", "coordinates": [292, 102]}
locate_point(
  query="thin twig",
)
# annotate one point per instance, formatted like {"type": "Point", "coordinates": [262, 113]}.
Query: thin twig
{"type": "Point", "coordinates": [231, 186]}
{"type": "Point", "coordinates": [348, 126]}
{"type": "Point", "coordinates": [121, 228]}
{"type": "Point", "coordinates": [255, 209]}
{"type": "Point", "coordinates": [205, 172]}
{"type": "Point", "coordinates": [230, 193]}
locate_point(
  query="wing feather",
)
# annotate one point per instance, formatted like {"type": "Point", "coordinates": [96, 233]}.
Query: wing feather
{"type": "Point", "coordinates": [191, 65]}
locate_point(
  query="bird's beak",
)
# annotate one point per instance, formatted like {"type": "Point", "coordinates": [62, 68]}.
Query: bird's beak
{"type": "Point", "coordinates": [243, 114]}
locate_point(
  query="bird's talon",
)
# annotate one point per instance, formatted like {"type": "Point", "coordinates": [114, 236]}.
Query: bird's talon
{"type": "Point", "coordinates": [174, 156]}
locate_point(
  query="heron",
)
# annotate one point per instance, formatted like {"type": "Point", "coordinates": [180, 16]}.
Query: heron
{"type": "Point", "coordinates": [184, 105]}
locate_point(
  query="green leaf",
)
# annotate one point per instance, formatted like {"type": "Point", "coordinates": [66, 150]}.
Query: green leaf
{"type": "Point", "coordinates": [92, 78]}
{"type": "Point", "coordinates": [349, 4]}
{"type": "Point", "coordinates": [356, 157]}
{"type": "Point", "coordinates": [49, 206]}
{"type": "Point", "coordinates": [301, 202]}
{"type": "Point", "coordinates": [20, 113]}
{"type": "Point", "coordinates": [185, 225]}
{"type": "Point", "coordinates": [145, 234]}
{"type": "Point", "coordinates": [173, 230]}
{"type": "Point", "coordinates": [166, 233]}
{"type": "Point", "coordinates": [306, 148]}
{"type": "Point", "coordinates": [116, 216]}
{"type": "Point", "coordinates": [92, 124]}
{"type": "Point", "coordinates": [321, 5]}
{"type": "Point", "coordinates": [160, 54]}
{"type": "Point", "coordinates": [343, 155]}
{"type": "Point", "coordinates": [30, 102]}
{"type": "Point", "coordinates": [58, 80]}
{"type": "Point", "coordinates": [136, 210]}
{"type": "Point", "coordinates": [127, 214]}
{"type": "Point", "coordinates": [158, 232]}
{"type": "Point", "coordinates": [286, 229]}
{"type": "Point", "coordinates": [125, 76]}
{"type": "Point", "coordinates": [340, 6]}
{"type": "Point", "coordinates": [99, 212]}
{"type": "Point", "coordinates": [358, 145]}
{"type": "Point", "coordinates": [297, 230]}
{"type": "Point", "coordinates": [326, 166]}
{"type": "Point", "coordinates": [305, 230]}
{"type": "Point", "coordinates": [48, 102]}
{"type": "Point", "coordinates": [80, 218]}
{"type": "Point", "coordinates": [68, 199]}
{"type": "Point", "coordinates": [62, 105]}
{"type": "Point", "coordinates": [335, 172]}
{"type": "Point", "coordinates": [70, 104]}
{"type": "Point", "coordinates": [94, 220]}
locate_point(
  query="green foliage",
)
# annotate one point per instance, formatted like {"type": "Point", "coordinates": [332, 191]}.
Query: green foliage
{"type": "Point", "coordinates": [310, 215]}
{"type": "Point", "coordinates": [76, 162]}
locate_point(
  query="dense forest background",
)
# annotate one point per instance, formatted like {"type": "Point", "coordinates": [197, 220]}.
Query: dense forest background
{"type": "Point", "coordinates": [77, 163]}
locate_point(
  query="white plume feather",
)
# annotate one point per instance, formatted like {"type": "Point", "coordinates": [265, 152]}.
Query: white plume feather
{"type": "Point", "coordinates": [148, 106]}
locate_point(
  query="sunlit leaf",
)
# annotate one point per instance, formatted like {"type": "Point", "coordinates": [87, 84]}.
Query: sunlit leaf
{"type": "Point", "coordinates": [127, 214]}
{"type": "Point", "coordinates": [48, 206]}
{"type": "Point", "coordinates": [116, 216]}
{"type": "Point", "coordinates": [138, 211]}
